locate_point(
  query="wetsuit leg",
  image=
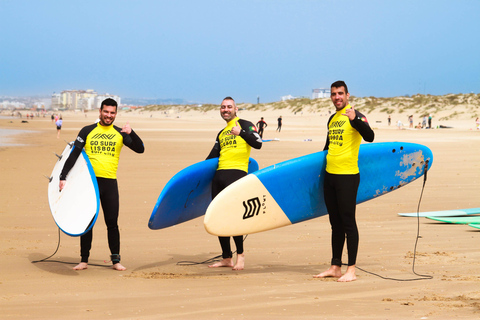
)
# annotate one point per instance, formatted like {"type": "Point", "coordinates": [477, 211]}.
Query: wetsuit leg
{"type": "Point", "coordinates": [86, 245]}
{"type": "Point", "coordinates": [340, 193]}
{"type": "Point", "coordinates": [109, 198]}
{"type": "Point", "coordinates": [220, 181]}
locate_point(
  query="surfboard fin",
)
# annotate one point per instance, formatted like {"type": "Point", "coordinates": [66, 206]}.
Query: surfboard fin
{"type": "Point", "coordinates": [49, 178]}
{"type": "Point", "coordinates": [58, 156]}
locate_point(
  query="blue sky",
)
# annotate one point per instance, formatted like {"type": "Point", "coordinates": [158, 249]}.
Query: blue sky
{"type": "Point", "coordinates": [204, 50]}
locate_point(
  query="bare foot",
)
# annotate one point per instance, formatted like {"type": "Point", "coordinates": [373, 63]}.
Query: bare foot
{"type": "Point", "coordinates": [81, 266]}
{"type": "Point", "coordinates": [240, 262]}
{"type": "Point", "coordinates": [333, 271]}
{"type": "Point", "coordinates": [349, 275]}
{"type": "Point", "coordinates": [119, 267]}
{"type": "Point", "coordinates": [224, 263]}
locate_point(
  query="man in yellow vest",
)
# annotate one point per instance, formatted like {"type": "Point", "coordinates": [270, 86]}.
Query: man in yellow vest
{"type": "Point", "coordinates": [103, 142]}
{"type": "Point", "coordinates": [346, 129]}
{"type": "Point", "coordinates": [232, 147]}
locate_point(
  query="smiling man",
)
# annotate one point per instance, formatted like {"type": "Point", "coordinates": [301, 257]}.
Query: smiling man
{"type": "Point", "coordinates": [103, 142]}
{"type": "Point", "coordinates": [232, 147]}
{"type": "Point", "coordinates": [346, 129]}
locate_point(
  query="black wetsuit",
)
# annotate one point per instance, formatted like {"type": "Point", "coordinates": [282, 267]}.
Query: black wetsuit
{"type": "Point", "coordinates": [342, 180]}
{"type": "Point", "coordinates": [260, 125]}
{"type": "Point", "coordinates": [103, 145]}
{"type": "Point", "coordinates": [233, 153]}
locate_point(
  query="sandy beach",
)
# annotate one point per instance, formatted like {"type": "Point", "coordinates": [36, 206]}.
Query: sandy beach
{"type": "Point", "coordinates": [277, 282]}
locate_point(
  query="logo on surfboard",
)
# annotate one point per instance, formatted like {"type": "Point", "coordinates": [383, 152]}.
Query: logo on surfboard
{"type": "Point", "coordinates": [252, 207]}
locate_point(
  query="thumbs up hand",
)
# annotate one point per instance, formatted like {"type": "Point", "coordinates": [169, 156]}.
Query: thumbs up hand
{"type": "Point", "coordinates": [126, 128]}
{"type": "Point", "coordinates": [236, 130]}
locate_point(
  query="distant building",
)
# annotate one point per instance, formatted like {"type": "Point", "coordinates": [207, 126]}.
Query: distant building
{"type": "Point", "coordinates": [289, 97]}
{"type": "Point", "coordinates": [99, 98]}
{"type": "Point", "coordinates": [80, 99]}
{"type": "Point", "coordinates": [320, 93]}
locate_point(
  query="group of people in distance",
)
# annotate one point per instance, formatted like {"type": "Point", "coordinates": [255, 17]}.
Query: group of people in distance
{"type": "Point", "coordinates": [346, 129]}
{"type": "Point", "coordinates": [261, 125]}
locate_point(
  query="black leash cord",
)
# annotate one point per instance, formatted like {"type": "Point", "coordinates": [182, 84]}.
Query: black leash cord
{"type": "Point", "coordinates": [208, 261]}
{"type": "Point", "coordinates": [422, 276]}
{"type": "Point", "coordinates": [65, 262]}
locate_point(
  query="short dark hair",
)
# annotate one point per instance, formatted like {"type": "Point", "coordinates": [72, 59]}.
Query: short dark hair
{"type": "Point", "coordinates": [338, 84]}
{"type": "Point", "coordinates": [110, 103]}
{"type": "Point", "coordinates": [230, 98]}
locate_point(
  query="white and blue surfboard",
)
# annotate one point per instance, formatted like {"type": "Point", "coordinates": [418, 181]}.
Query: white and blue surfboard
{"type": "Point", "coordinates": [187, 194]}
{"type": "Point", "coordinates": [75, 208]}
{"type": "Point", "coordinates": [292, 191]}
{"type": "Point", "coordinates": [443, 213]}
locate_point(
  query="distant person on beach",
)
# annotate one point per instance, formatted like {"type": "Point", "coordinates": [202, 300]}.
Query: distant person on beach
{"type": "Point", "coordinates": [430, 121]}
{"type": "Point", "coordinates": [59, 126]}
{"type": "Point", "coordinates": [410, 121]}
{"type": "Point", "coordinates": [232, 147]}
{"type": "Point", "coordinates": [400, 125]}
{"type": "Point", "coordinates": [103, 142]}
{"type": "Point", "coordinates": [346, 129]}
{"type": "Point", "coordinates": [279, 127]}
{"type": "Point", "coordinates": [477, 122]}
{"type": "Point", "coordinates": [389, 120]}
{"type": "Point", "coordinates": [424, 122]}
{"type": "Point", "coordinates": [260, 125]}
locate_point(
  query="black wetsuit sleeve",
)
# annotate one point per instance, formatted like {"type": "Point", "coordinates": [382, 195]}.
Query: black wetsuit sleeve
{"type": "Point", "coordinates": [249, 134]}
{"type": "Point", "coordinates": [362, 127]}
{"type": "Point", "coordinates": [132, 141]}
{"type": "Point", "coordinates": [215, 152]}
{"type": "Point", "coordinates": [327, 142]}
{"type": "Point", "coordinates": [76, 151]}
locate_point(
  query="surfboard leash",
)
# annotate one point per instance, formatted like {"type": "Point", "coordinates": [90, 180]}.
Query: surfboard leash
{"type": "Point", "coordinates": [65, 262]}
{"type": "Point", "coordinates": [421, 276]}
{"type": "Point", "coordinates": [208, 261]}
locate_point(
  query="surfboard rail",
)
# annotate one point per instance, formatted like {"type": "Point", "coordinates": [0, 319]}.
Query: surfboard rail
{"type": "Point", "coordinates": [75, 208]}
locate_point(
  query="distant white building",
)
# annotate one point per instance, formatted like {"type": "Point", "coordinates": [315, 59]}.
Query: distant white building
{"type": "Point", "coordinates": [12, 105]}
{"type": "Point", "coordinates": [289, 97]}
{"type": "Point", "coordinates": [99, 98]}
{"type": "Point", "coordinates": [80, 99]}
{"type": "Point", "coordinates": [320, 93]}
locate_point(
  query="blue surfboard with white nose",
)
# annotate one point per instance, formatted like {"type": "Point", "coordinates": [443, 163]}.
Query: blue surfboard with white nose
{"type": "Point", "coordinates": [187, 194]}
{"type": "Point", "coordinates": [292, 191]}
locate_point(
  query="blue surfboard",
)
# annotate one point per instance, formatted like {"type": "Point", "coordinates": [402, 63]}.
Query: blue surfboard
{"type": "Point", "coordinates": [292, 191]}
{"type": "Point", "coordinates": [187, 194]}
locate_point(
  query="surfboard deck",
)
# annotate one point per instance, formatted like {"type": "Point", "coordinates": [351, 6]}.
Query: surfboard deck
{"type": "Point", "coordinates": [187, 194]}
{"type": "Point", "coordinates": [75, 208]}
{"type": "Point", "coordinates": [457, 220]}
{"type": "Point", "coordinates": [443, 213]}
{"type": "Point", "coordinates": [292, 191]}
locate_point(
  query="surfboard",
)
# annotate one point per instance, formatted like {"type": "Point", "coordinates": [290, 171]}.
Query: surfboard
{"type": "Point", "coordinates": [457, 220]}
{"type": "Point", "coordinates": [75, 208]}
{"type": "Point", "coordinates": [474, 225]}
{"type": "Point", "coordinates": [443, 213]}
{"type": "Point", "coordinates": [187, 194]}
{"type": "Point", "coordinates": [292, 191]}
